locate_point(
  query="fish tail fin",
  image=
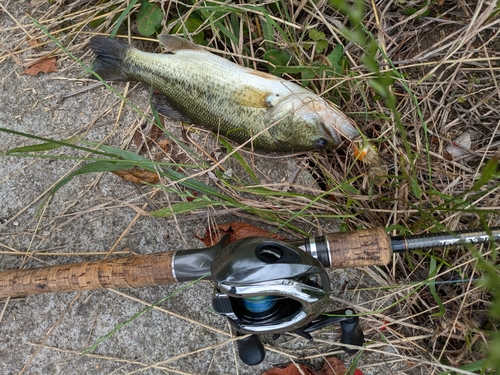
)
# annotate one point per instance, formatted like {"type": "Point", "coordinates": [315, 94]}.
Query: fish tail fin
{"type": "Point", "coordinates": [109, 63]}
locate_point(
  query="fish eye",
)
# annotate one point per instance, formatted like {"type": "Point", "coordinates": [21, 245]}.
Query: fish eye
{"type": "Point", "coordinates": [320, 143]}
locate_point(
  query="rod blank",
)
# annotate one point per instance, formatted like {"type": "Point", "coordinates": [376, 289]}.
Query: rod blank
{"type": "Point", "coordinates": [425, 241]}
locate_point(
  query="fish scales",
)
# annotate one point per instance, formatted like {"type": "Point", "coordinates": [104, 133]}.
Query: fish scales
{"type": "Point", "coordinates": [206, 95]}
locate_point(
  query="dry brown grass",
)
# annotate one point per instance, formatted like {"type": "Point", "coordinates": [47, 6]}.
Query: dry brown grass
{"type": "Point", "coordinates": [447, 60]}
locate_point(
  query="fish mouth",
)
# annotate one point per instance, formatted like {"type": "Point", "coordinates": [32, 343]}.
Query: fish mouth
{"type": "Point", "coordinates": [337, 138]}
{"type": "Point", "coordinates": [339, 127]}
{"type": "Point", "coordinates": [334, 123]}
{"type": "Point", "coordinates": [367, 153]}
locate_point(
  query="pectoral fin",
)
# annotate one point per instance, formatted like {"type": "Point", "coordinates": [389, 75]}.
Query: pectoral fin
{"type": "Point", "coordinates": [173, 43]}
{"type": "Point", "coordinates": [161, 104]}
{"type": "Point", "coordinates": [252, 97]}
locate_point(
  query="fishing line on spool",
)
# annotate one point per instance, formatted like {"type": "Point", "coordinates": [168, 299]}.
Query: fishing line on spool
{"type": "Point", "coordinates": [259, 304]}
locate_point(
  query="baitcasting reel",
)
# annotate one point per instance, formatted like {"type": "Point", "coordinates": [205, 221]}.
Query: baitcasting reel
{"type": "Point", "coordinates": [269, 286]}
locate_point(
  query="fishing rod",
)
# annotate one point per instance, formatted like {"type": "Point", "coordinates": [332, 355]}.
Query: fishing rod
{"type": "Point", "coordinates": [263, 285]}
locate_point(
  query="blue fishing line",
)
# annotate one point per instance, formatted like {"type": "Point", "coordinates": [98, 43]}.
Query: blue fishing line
{"type": "Point", "coordinates": [259, 304]}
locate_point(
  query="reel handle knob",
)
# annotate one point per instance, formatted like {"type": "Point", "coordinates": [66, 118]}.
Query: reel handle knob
{"type": "Point", "coordinates": [251, 350]}
{"type": "Point", "coordinates": [352, 334]}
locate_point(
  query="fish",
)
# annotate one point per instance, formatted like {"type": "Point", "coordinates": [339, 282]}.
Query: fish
{"type": "Point", "coordinates": [253, 108]}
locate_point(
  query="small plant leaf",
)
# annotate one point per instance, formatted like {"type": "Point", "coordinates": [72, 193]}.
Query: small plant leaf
{"type": "Point", "coordinates": [124, 154]}
{"type": "Point", "coordinates": [479, 365]}
{"type": "Point", "coordinates": [68, 143]}
{"type": "Point", "coordinates": [122, 16]}
{"type": "Point", "coordinates": [415, 187]}
{"type": "Point", "coordinates": [316, 35]}
{"type": "Point", "coordinates": [148, 18]}
{"type": "Point", "coordinates": [307, 75]}
{"type": "Point", "coordinates": [489, 170]}
{"type": "Point", "coordinates": [237, 156]}
{"type": "Point", "coordinates": [190, 25]}
{"type": "Point", "coordinates": [277, 57]}
{"type": "Point", "coordinates": [432, 286]}
{"type": "Point", "coordinates": [102, 17]}
{"type": "Point", "coordinates": [348, 188]}
{"type": "Point", "coordinates": [321, 45]}
{"type": "Point", "coordinates": [34, 148]}
{"type": "Point", "coordinates": [335, 57]}
{"type": "Point", "coordinates": [98, 166]}
{"type": "Point", "coordinates": [290, 69]}
{"type": "Point", "coordinates": [382, 83]}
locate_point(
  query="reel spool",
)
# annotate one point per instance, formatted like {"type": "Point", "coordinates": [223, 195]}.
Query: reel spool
{"type": "Point", "coordinates": [267, 286]}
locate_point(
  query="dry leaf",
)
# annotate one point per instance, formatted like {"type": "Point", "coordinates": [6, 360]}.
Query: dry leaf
{"type": "Point", "coordinates": [447, 156]}
{"type": "Point", "coordinates": [333, 366]}
{"type": "Point", "coordinates": [137, 138]}
{"type": "Point", "coordinates": [460, 146]}
{"type": "Point", "coordinates": [291, 369]}
{"type": "Point", "coordinates": [236, 231]}
{"type": "Point", "coordinates": [138, 176]}
{"type": "Point", "coordinates": [33, 43]}
{"type": "Point", "coordinates": [154, 133]}
{"type": "Point", "coordinates": [164, 144]}
{"type": "Point", "coordinates": [47, 65]}
{"type": "Point", "coordinates": [434, 140]}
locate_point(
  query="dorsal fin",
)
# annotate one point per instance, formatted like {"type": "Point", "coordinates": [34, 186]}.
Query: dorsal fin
{"type": "Point", "coordinates": [173, 43]}
{"type": "Point", "coordinates": [261, 74]}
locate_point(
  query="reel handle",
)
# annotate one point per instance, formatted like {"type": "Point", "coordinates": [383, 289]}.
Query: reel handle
{"type": "Point", "coordinates": [251, 350]}
{"type": "Point", "coordinates": [352, 334]}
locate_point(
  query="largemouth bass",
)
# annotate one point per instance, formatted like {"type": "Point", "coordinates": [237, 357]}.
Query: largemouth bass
{"type": "Point", "coordinates": [250, 107]}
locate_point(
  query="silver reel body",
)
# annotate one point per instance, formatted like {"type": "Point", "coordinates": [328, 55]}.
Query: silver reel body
{"type": "Point", "coordinates": [268, 286]}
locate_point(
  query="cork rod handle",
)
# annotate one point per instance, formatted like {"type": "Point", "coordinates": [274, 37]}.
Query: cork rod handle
{"type": "Point", "coordinates": [130, 272]}
{"type": "Point", "coordinates": [360, 248]}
